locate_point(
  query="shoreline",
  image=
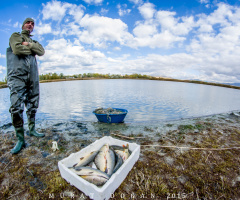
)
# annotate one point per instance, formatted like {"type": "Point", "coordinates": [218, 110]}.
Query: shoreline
{"type": "Point", "coordinates": [195, 158]}
{"type": "Point", "coordinates": [153, 78]}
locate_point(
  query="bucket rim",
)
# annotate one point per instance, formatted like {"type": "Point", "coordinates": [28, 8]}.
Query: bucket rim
{"type": "Point", "coordinates": [121, 109]}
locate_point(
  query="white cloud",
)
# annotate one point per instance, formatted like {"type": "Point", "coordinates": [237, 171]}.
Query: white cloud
{"type": "Point", "coordinates": [163, 30]}
{"type": "Point", "coordinates": [104, 11]}
{"type": "Point", "coordinates": [62, 54]}
{"type": "Point", "coordinates": [117, 48]}
{"type": "Point", "coordinates": [147, 10]}
{"type": "Point", "coordinates": [2, 56]}
{"type": "Point", "coordinates": [98, 30]}
{"type": "Point", "coordinates": [219, 54]}
{"type": "Point", "coordinates": [55, 10]}
{"type": "Point", "coordinates": [42, 29]}
{"type": "Point", "coordinates": [219, 40]}
{"type": "Point", "coordinates": [122, 10]}
{"type": "Point", "coordinates": [136, 1]}
{"type": "Point", "coordinates": [93, 1]}
{"type": "Point", "coordinates": [17, 25]}
{"type": "Point", "coordinates": [160, 40]}
{"type": "Point", "coordinates": [204, 1]}
{"type": "Point", "coordinates": [2, 68]}
{"type": "Point", "coordinates": [221, 15]}
{"type": "Point", "coordinates": [165, 65]}
{"type": "Point", "coordinates": [77, 12]}
{"type": "Point", "coordinates": [178, 26]}
{"type": "Point", "coordinates": [144, 30]}
{"type": "Point", "coordinates": [70, 28]}
{"type": "Point", "coordinates": [203, 26]}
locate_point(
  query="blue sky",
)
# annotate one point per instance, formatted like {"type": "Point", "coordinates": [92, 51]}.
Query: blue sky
{"type": "Point", "coordinates": [187, 39]}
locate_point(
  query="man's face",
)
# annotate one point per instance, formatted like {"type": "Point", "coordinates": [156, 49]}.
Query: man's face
{"type": "Point", "coordinates": [28, 26]}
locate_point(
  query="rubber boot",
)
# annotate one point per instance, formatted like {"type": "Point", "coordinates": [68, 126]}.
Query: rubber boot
{"type": "Point", "coordinates": [32, 131]}
{"type": "Point", "coordinates": [20, 143]}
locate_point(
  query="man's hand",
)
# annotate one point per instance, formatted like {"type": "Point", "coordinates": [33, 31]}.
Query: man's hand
{"type": "Point", "coordinates": [25, 43]}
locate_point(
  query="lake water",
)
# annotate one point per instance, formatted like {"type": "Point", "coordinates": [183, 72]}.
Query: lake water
{"type": "Point", "coordinates": [145, 100]}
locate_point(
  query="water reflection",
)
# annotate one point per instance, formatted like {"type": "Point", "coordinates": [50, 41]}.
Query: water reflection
{"type": "Point", "coordinates": [146, 100]}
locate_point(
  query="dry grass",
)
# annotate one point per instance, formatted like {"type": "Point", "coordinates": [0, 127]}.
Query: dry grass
{"type": "Point", "coordinates": [160, 173]}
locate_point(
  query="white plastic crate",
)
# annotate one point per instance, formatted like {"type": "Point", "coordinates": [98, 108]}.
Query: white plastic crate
{"type": "Point", "coordinates": [91, 190]}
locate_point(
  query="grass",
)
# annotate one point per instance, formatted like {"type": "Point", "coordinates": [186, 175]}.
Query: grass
{"type": "Point", "coordinates": [194, 174]}
{"type": "Point", "coordinates": [160, 173]}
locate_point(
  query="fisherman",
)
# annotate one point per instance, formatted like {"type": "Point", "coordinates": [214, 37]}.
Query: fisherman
{"type": "Point", "coordinates": [23, 81]}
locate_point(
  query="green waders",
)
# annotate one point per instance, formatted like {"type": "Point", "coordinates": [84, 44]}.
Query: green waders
{"type": "Point", "coordinates": [20, 143]}
{"type": "Point", "coordinates": [32, 131]}
{"type": "Point", "coordinates": [23, 82]}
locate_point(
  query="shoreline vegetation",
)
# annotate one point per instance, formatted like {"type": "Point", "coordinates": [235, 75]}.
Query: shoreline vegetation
{"type": "Point", "coordinates": [54, 77]}
{"type": "Point", "coordinates": [186, 159]}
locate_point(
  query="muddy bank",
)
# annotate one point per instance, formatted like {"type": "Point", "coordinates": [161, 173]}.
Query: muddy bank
{"type": "Point", "coordinates": [207, 165]}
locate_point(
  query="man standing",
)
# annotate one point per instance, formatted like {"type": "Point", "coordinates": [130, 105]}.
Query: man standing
{"type": "Point", "coordinates": [23, 81]}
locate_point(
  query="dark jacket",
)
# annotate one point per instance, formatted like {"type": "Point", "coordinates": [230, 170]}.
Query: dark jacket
{"type": "Point", "coordinates": [33, 48]}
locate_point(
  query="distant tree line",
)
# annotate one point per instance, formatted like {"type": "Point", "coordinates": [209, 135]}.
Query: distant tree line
{"type": "Point", "coordinates": [61, 76]}
{"type": "Point", "coordinates": [58, 77]}
{"type": "Point", "coordinates": [53, 76]}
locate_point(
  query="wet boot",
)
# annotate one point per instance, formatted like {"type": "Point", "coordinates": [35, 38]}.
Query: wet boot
{"type": "Point", "coordinates": [32, 131]}
{"type": "Point", "coordinates": [20, 143]}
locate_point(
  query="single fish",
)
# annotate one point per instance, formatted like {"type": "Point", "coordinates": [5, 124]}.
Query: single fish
{"type": "Point", "coordinates": [116, 147]}
{"type": "Point", "coordinates": [91, 175]}
{"type": "Point", "coordinates": [118, 163]}
{"type": "Point", "coordinates": [86, 159]}
{"type": "Point", "coordinates": [124, 154]}
{"type": "Point", "coordinates": [110, 162]}
{"type": "Point", "coordinates": [100, 160]}
{"type": "Point", "coordinates": [105, 159]}
{"type": "Point", "coordinates": [87, 165]}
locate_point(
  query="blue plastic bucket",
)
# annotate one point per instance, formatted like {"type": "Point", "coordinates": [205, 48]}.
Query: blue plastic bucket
{"type": "Point", "coordinates": [112, 118]}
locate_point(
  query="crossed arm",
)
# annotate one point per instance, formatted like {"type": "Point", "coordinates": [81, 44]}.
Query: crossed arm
{"type": "Point", "coordinates": [25, 48]}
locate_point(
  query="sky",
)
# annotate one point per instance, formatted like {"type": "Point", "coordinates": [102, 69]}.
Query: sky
{"type": "Point", "coordinates": [187, 39]}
